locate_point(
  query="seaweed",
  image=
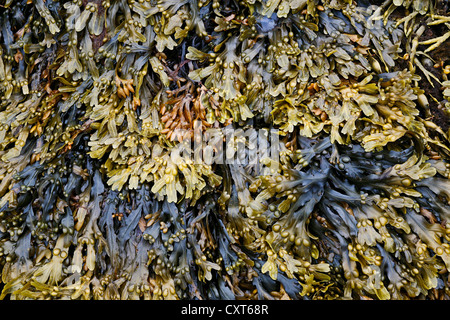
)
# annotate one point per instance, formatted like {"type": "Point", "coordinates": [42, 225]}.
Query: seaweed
{"type": "Point", "coordinates": [135, 159]}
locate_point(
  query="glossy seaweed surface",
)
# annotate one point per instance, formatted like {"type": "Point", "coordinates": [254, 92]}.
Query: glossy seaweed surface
{"type": "Point", "coordinates": [93, 206]}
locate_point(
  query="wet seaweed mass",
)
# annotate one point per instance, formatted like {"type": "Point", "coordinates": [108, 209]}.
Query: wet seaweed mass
{"type": "Point", "coordinates": [93, 95]}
